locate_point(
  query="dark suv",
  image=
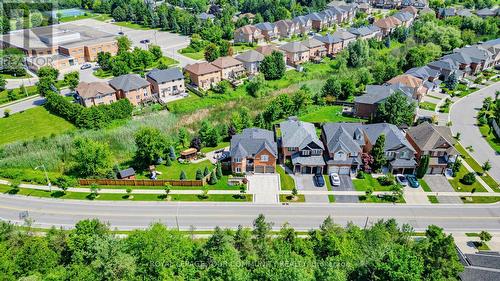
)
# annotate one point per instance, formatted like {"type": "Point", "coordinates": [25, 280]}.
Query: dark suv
{"type": "Point", "coordinates": [319, 181]}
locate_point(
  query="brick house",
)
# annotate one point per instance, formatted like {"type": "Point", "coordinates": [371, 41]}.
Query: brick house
{"type": "Point", "coordinates": [95, 93]}
{"type": "Point", "coordinates": [203, 75]}
{"type": "Point", "coordinates": [253, 151]}
{"type": "Point", "coordinates": [132, 87]}
{"type": "Point", "coordinates": [166, 83]}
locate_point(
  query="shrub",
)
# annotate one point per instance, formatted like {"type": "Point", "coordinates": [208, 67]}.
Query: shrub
{"type": "Point", "coordinates": [360, 175]}
{"type": "Point", "coordinates": [385, 180]}
{"type": "Point", "coordinates": [469, 178]}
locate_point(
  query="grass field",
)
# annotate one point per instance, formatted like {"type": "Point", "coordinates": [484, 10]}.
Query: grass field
{"type": "Point", "coordinates": [8, 76]}
{"type": "Point", "coordinates": [289, 198]}
{"type": "Point", "coordinates": [328, 183]}
{"type": "Point", "coordinates": [427, 105]}
{"type": "Point", "coordinates": [174, 171]}
{"type": "Point", "coordinates": [458, 186]}
{"type": "Point", "coordinates": [369, 181]}
{"type": "Point", "coordinates": [424, 185]}
{"type": "Point", "coordinates": [132, 25]}
{"type": "Point", "coordinates": [476, 167]}
{"type": "Point", "coordinates": [194, 55]}
{"type": "Point", "coordinates": [490, 137]}
{"type": "Point", "coordinates": [286, 181]}
{"type": "Point", "coordinates": [35, 122]}
{"type": "Point", "coordinates": [220, 146]}
{"type": "Point", "coordinates": [17, 94]}
{"type": "Point", "coordinates": [433, 199]}
{"type": "Point", "coordinates": [328, 114]}
{"type": "Point", "coordinates": [136, 197]}
{"type": "Point", "coordinates": [480, 199]}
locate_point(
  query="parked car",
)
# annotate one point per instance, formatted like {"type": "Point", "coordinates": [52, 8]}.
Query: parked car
{"type": "Point", "coordinates": [402, 180]}
{"type": "Point", "coordinates": [145, 41]}
{"type": "Point", "coordinates": [121, 33]}
{"type": "Point", "coordinates": [86, 66]}
{"type": "Point", "coordinates": [412, 181]}
{"type": "Point", "coordinates": [319, 181]}
{"type": "Point", "coordinates": [335, 179]}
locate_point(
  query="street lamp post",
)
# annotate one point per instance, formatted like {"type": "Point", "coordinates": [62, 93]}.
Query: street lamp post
{"type": "Point", "coordinates": [46, 176]}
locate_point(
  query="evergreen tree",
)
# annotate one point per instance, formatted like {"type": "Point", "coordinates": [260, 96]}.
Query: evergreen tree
{"type": "Point", "coordinates": [199, 174]}
{"type": "Point", "coordinates": [213, 178]}
{"type": "Point", "coordinates": [183, 175]}
{"type": "Point", "coordinates": [452, 81]}
{"type": "Point", "coordinates": [171, 153]}
{"type": "Point", "coordinates": [423, 166]}
{"type": "Point", "coordinates": [378, 153]}
{"type": "Point", "coordinates": [206, 172]}
{"type": "Point", "coordinates": [219, 170]}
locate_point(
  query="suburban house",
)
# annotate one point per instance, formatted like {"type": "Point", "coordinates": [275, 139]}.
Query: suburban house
{"type": "Point", "coordinates": [316, 48]}
{"type": "Point", "coordinates": [345, 142]}
{"type": "Point", "coordinates": [412, 82]}
{"type": "Point", "coordinates": [387, 25]}
{"type": "Point", "coordinates": [436, 142]}
{"type": "Point", "coordinates": [410, 9]}
{"type": "Point", "coordinates": [387, 4]}
{"type": "Point", "coordinates": [487, 12]}
{"type": "Point", "coordinates": [166, 83]}
{"type": "Point", "coordinates": [286, 28]}
{"type": "Point", "coordinates": [318, 21]}
{"type": "Point", "coordinates": [296, 53]}
{"type": "Point", "coordinates": [332, 43]}
{"type": "Point", "coordinates": [268, 49]}
{"type": "Point", "coordinates": [132, 87]}
{"type": "Point", "coordinates": [253, 151]}
{"type": "Point", "coordinates": [365, 8]}
{"type": "Point", "coordinates": [95, 93]}
{"type": "Point", "coordinates": [429, 76]}
{"type": "Point", "coordinates": [203, 75]}
{"type": "Point", "coordinates": [345, 36]}
{"type": "Point", "coordinates": [230, 68]}
{"type": "Point", "coordinates": [299, 144]}
{"type": "Point", "coordinates": [464, 13]}
{"type": "Point", "coordinates": [472, 59]}
{"type": "Point", "coordinates": [303, 23]}
{"type": "Point", "coordinates": [269, 30]}
{"type": "Point", "coordinates": [406, 18]}
{"type": "Point", "coordinates": [206, 17]}
{"type": "Point", "coordinates": [367, 32]}
{"type": "Point", "coordinates": [251, 60]}
{"type": "Point", "coordinates": [418, 4]}
{"type": "Point", "coordinates": [446, 67]}
{"type": "Point", "coordinates": [248, 34]}
{"type": "Point", "coordinates": [365, 106]}
{"type": "Point", "coordinates": [446, 12]}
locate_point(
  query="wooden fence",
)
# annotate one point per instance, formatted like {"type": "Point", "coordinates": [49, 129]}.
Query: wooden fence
{"type": "Point", "coordinates": [120, 182]}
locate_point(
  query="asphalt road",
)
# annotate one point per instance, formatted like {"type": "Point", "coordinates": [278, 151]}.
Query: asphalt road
{"type": "Point", "coordinates": [463, 115]}
{"type": "Point", "coordinates": [131, 215]}
{"type": "Point", "coordinates": [26, 104]}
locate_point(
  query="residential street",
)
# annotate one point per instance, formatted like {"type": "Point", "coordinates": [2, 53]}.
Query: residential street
{"type": "Point", "coordinates": [303, 216]}
{"type": "Point", "coordinates": [463, 117]}
{"type": "Point", "coordinates": [25, 104]}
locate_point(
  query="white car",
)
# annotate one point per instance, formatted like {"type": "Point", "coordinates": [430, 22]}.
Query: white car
{"type": "Point", "coordinates": [401, 179]}
{"type": "Point", "coordinates": [335, 179]}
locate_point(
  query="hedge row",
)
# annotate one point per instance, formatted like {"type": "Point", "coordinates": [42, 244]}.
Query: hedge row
{"type": "Point", "coordinates": [94, 117]}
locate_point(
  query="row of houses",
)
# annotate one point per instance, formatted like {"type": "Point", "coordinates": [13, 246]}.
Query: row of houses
{"type": "Point", "coordinates": [267, 31]}
{"type": "Point", "coordinates": [418, 81]}
{"type": "Point", "coordinates": [392, 4]}
{"type": "Point", "coordinates": [159, 86]}
{"type": "Point", "coordinates": [462, 12]}
{"type": "Point", "coordinates": [340, 147]}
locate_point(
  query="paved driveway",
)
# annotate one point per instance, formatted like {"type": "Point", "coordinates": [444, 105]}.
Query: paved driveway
{"type": "Point", "coordinates": [345, 185]}
{"type": "Point", "coordinates": [306, 182]}
{"type": "Point", "coordinates": [439, 183]}
{"type": "Point", "coordinates": [463, 117]}
{"type": "Point", "coordinates": [264, 187]}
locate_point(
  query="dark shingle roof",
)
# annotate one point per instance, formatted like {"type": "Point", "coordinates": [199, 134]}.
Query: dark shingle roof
{"type": "Point", "coordinates": [128, 82]}
{"type": "Point", "coordinates": [165, 75]}
{"type": "Point", "coordinates": [126, 173]}
{"type": "Point", "coordinates": [252, 141]}
{"type": "Point", "coordinates": [298, 134]}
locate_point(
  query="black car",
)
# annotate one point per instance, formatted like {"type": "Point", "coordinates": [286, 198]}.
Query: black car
{"type": "Point", "coordinates": [319, 181]}
{"type": "Point", "coordinates": [121, 33]}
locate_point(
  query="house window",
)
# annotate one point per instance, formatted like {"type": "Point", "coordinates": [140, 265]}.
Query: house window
{"type": "Point", "coordinates": [238, 170]}
{"type": "Point", "coordinates": [237, 160]}
{"type": "Point", "coordinates": [291, 149]}
{"type": "Point", "coordinates": [145, 92]}
{"type": "Point", "coordinates": [264, 158]}
{"type": "Point", "coordinates": [316, 151]}
{"type": "Point", "coordinates": [306, 152]}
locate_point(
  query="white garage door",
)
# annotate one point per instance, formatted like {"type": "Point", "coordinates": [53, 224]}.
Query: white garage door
{"type": "Point", "coordinates": [339, 170]}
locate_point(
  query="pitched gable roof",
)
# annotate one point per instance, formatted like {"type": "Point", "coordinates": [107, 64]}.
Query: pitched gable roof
{"type": "Point", "coordinates": [94, 89]}
{"type": "Point", "coordinates": [201, 68]}
{"type": "Point", "coordinates": [431, 137]}
{"type": "Point", "coordinates": [250, 56]}
{"type": "Point", "coordinates": [406, 79]}
{"type": "Point", "coordinates": [299, 134]}
{"type": "Point", "coordinates": [294, 47]}
{"type": "Point", "coordinates": [252, 141]}
{"type": "Point", "coordinates": [312, 43]}
{"type": "Point", "coordinates": [225, 62]}
{"type": "Point", "coordinates": [388, 22]}
{"type": "Point", "coordinates": [165, 75]}
{"type": "Point", "coordinates": [128, 82]}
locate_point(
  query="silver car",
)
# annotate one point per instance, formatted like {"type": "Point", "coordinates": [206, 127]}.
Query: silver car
{"type": "Point", "coordinates": [335, 179]}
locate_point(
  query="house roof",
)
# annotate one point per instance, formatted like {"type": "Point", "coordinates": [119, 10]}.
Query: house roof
{"type": "Point", "coordinates": [388, 22]}
{"type": "Point", "coordinates": [247, 29]}
{"type": "Point", "coordinates": [129, 82]}
{"type": "Point", "coordinates": [410, 9]}
{"type": "Point", "coordinates": [252, 141]}
{"type": "Point", "coordinates": [294, 47]}
{"type": "Point", "coordinates": [406, 79]}
{"type": "Point", "coordinates": [201, 68]}
{"type": "Point", "coordinates": [250, 56]}
{"type": "Point", "coordinates": [423, 72]}
{"type": "Point", "coordinates": [329, 38]}
{"type": "Point", "coordinates": [313, 160]}
{"type": "Point", "coordinates": [299, 134]}
{"type": "Point", "coordinates": [267, 49]}
{"type": "Point", "coordinates": [265, 26]}
{"type": "Point", "coordinates": [205, 16]}
{"type": "Point", "coordinates": [378, 93]}
{"type": "Point", "coordinates": [394, 137]}
{"type": "Point", "coordinates": [464, 13]}
{"type": "Point", "coordinates": [94, 89]}
{"type": "Point", "coordinates": [344, 35]}
{"type": "Point", "coordinates": [225, 62]}
{"type": "Point", "coordinates": [361, 31]}
{"type": "Point", "coordinates": [126, 173]}
{"type": "Point", "coordinates": [447, 12]}
{"type": "Point", "coordinates": [404, 16]}
{"type": "Point", "coordinates": [302, 20]}
{"type": "Point", "coordinates": [431, 137]}
{"type": "Point", "coordinates": [486, 12]}
{"type": "Point", "coordinates": [165, 75]}
{"type": "Point", "coordinates": [286, 23]}
{"type": "Point", "coordinates": [312, 43]}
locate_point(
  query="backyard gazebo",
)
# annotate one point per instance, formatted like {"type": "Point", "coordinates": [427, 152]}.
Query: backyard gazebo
{"type": "Point", "coordinates": [189, 154]}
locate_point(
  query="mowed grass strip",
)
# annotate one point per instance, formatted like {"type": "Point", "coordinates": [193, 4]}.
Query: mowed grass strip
{"type": "Point", "coordinates": [35, 122]}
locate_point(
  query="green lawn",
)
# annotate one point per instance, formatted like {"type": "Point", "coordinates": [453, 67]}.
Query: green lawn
{"type": "Point", "coordinates": [472, 234]}
{"type": "Point", "coordinates": [369, 181]}
{"type": "Point", "coordinates": [9, 76]}
{"type": "Point", "coordinates": [132, 25]}
{"type": "Point", "coordinates": [481, 246]}
{"type": "Point", "coordinates": [427, 105]}
{"type": "Point", "coordinates": [286, 181]}
{"type": "Point", "coordinates": [285, 198]}
{"type": "Point", "coordinates": [35, 122]}
{"type": "Point", "coordinates": [328, 183]}
{"type": "Point", "coordinates": [331, 198]}
{"type": "Point", "coordinates": [196, 55]}
{"type": "Point", "coordinates": [242, 48]}
{"type": "Point", "coordinates": [17, 94]}
{"type": "Point", "coordinates": [376, 199]}
{"type": "Point", "coordinates": [136, 197]}
{"type": "Point", "coordinates": [174, 171]}
{"type": "Point", "coordinates": [433, 199]}
{"type": "Point", "coordinates": [480, 199]}
{"type": "Point", "coordinates": [476, 167]}
{"type": "Point", "coordinates": [219, 146]}
{"type": "Point", "coordinates": [99, 73]}
{"type": "Point", "coordinates": [490, 137]}
{"type": "Point", "coordinates": [328, 114]}
{"type": "Point", "coordinates": [424, 185]}
{"type": "Point", "coordinates": [460, 187]}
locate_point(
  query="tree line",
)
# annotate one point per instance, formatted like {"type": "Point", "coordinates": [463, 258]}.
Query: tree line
{"type": "Point", "coordinates": [90, 251]}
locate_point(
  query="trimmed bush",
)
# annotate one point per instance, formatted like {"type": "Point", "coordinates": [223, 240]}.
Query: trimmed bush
{"type": "Point", "coordinates": [469, 178]}
{"type": "Point", "coordinates": [385, 180]}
